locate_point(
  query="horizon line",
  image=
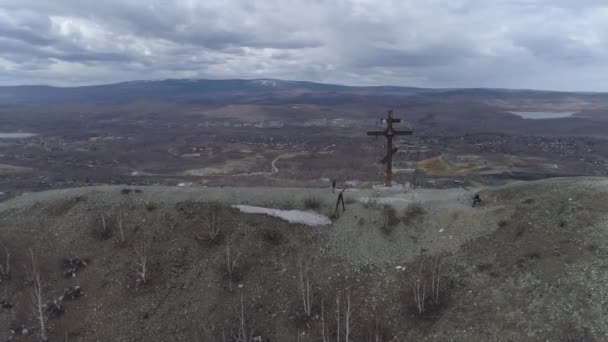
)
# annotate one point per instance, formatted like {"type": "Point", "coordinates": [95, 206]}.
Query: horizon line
{"type": "Point", "coordinates": [301, 81]}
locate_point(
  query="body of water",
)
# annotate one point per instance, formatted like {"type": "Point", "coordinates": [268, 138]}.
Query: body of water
{"type": "Point", "coordinates": [543, 115]}
{"type": "Point", "coordinates": [17, 135]}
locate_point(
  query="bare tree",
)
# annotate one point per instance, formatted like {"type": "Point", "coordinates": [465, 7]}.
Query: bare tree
{"type": "Point", "coordinates": [245, 333]}
{"type": "Point", "coordinates": [231, 262]}
{"type": "Point", "coordinates": [121, 229]}
{"type": "Point", "coordinates": [7, 316]}
{"type": "Point", "coordinates": [347, 319]}
{"type": "Point", "coordinates": [344, 323]}
{"type": "Point", "coordinates": [376, 335]}
{"type": "Point", "coordinates": [323, 334]}
{"type": "Point", "coordinates": [305, 288]}
{"type": "Point", "coordinates": [338, 318]}
{"type": "Point", "coordinates": [140, 261]}
{"type": "Point", "coordinates": [243, 327]}
{"type": "Point", "coordinates": [38, 302]}
{"type": "Point", "coordinates": [212, 222]}
{"type": "Point", "coordinates": [104, 226]}
{"type": "Point", "coordinates": [5, 269]}
{"type": "Point", "coordinates": [419, 288]}
{"type": "Point", "coordinates": [435, 281]}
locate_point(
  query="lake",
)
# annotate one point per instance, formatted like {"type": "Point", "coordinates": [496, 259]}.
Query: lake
{"type": "Point", "coordinates": [543, 115]}
{"type": "Point", "coordinates": [17, 135]}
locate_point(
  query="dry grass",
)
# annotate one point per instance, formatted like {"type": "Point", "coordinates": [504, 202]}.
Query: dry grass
{"type": "Point", "coordinates": [440, 165]}
{"type": "Point", "coordinates": [312, 203]}
{"type": "Point", "coordinates": [390, 218]}
{"type": "Point", "coordinates": [413, 212]}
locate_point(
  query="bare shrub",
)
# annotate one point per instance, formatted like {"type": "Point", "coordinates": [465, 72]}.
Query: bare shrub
{"type": "Point", "coordinates": [5, 268]}
{"type": "Point", "coordinates": [370, 203]}
{"type": "Point", "coordinates": [71, 265]}
{"type": "Point", "coordinates": [121, 230]}
{"type": "Point", "coordinates": [272, 236]}
{"type": "Point", "coordinates": [231, 260]}
{"type": "Point", "coordinates": [150, 206]}
{"type": "Point", "coordinates": [104, 226]}
{"type": "Point", "coordinates": [419, 290]}
{"type": "Point", "coordinates": [390, 218]}
{"type": "Point", "coordinates": [420, 283]}
{"type": "Point", "coordinates": [413, 212]}
{"type": "Point", "coordinates": [62, 206]}
{"type": "Point", "coordinates": [102, 230]}
{"type": "Point", "coordinates": [140, 261]}
{"type": "Point", "coordinates": [435, 282]}
{"type": "Point", "coordinates": [312, 203]}
{"type": "Point", "coordinates": [212, 225]}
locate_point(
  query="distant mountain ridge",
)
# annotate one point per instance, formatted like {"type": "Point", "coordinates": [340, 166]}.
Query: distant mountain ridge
{"type": "Point", "coordinates": [257, 91]}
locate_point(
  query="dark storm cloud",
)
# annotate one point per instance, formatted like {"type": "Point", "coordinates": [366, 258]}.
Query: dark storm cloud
{"type": "Point", "coordinates": [439, 43]}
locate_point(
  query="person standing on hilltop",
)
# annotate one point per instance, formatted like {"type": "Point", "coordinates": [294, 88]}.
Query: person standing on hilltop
{"type": "Point", "coordinates": [476, 200]}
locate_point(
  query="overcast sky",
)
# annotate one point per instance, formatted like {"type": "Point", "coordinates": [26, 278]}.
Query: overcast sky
{"type": "Point", "coordinates": [543, 44]}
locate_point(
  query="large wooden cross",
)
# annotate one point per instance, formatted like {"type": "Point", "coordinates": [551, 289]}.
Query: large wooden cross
{"type": "Point", "coordinates": [389, 133]}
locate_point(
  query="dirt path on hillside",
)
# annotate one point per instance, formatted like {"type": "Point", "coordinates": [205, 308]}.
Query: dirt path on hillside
{"type": "Point", "coordinates": [273, 167]}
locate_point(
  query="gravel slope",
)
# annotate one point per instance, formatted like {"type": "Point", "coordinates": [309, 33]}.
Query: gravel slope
{"type": "Point", "coordinates": [528, 265]}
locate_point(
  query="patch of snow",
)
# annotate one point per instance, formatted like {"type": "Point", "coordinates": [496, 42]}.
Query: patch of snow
{"type": "Point", "coordinates": [309, 218]}
{"type": "Point", "coordinates": [17, 135]}
{"type": "Point", "coordinates": [353, 183]}
{"type": "Point", "coordinates": [191, 155]}
{"type": "Point", "coordinates": [267, 83]}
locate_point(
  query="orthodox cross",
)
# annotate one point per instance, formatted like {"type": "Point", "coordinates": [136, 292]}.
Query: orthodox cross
{"type": "Point", "coordinates": [389, 133]}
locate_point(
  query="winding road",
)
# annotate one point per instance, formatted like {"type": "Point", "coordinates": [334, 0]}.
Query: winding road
{"type": "Point", "coordinates": [273, 166]}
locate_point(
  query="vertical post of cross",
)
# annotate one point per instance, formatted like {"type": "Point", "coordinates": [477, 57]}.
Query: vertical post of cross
{"type": "Point", "coordinates": [389, 133]}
